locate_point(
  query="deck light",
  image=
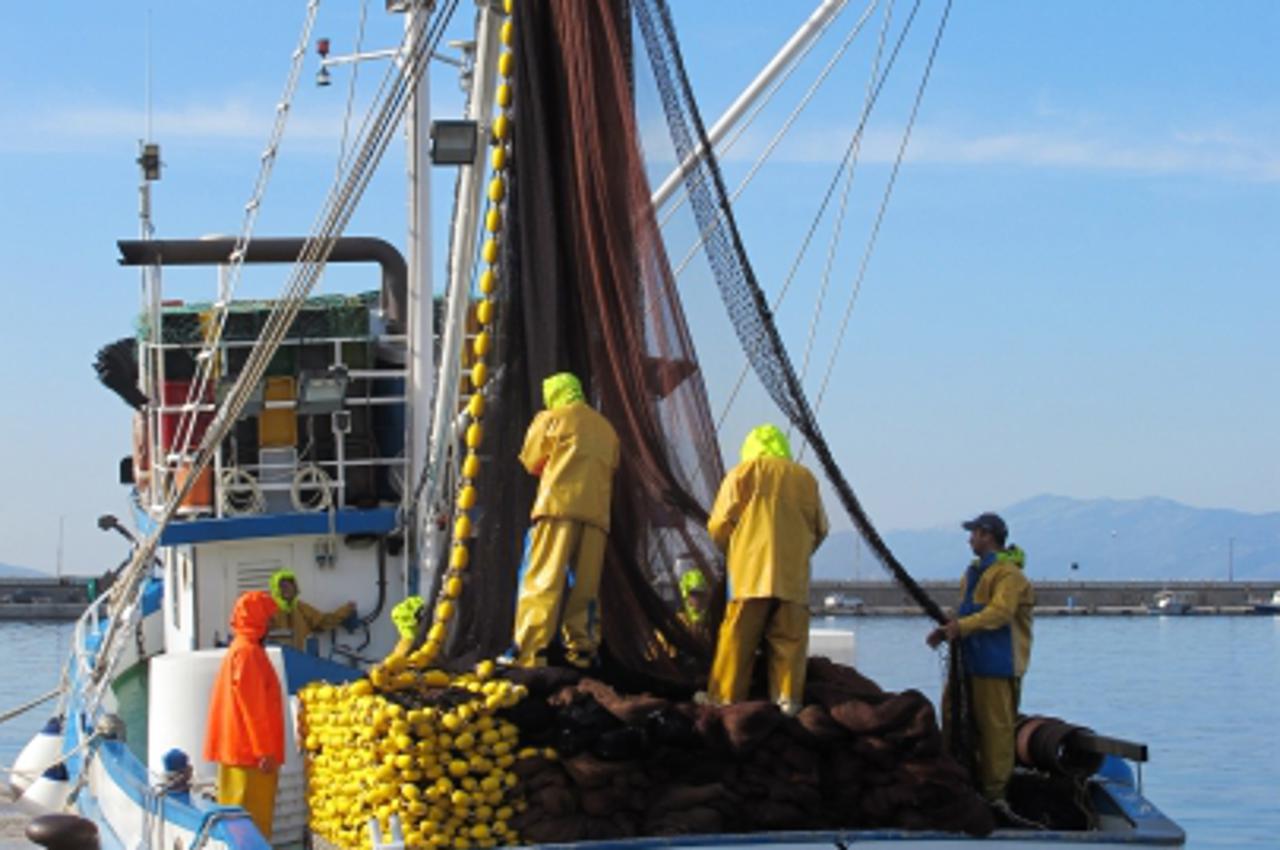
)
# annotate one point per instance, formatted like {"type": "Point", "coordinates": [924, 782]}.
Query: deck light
{"type": "Point", "coordinates": [454, 142]}
{"type": "Point", "coordinates": [322, 392]}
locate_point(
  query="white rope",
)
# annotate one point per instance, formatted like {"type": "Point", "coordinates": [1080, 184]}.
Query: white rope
{"type": "Point", "coordinates": [239, 493]}
{"type": "Point", "coordinates": [185, 431]}
{"type": "Point", "coordinates": [305, 273]}
{"type": "Point", "coordinates": [25, 707]}
{"type": "Point", "coordinates": [311, 477]}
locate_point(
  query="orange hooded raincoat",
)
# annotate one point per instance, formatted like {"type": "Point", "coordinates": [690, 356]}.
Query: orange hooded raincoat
{"type": "Point", "coordinates": [246, 708]}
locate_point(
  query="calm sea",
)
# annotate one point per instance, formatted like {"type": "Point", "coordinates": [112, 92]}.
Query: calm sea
{"type": "Point", "coordinates": [1202, 692]}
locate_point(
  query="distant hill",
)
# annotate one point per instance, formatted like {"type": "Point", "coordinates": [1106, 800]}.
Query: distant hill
{"type": "Point", "coordinates": [10, 571]}
{"type": "Point", "coordinates": [1151, 538]}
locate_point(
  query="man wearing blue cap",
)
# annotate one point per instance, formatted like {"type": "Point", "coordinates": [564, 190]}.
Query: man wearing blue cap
{"type": "Point", "coordinates": [994, 624]}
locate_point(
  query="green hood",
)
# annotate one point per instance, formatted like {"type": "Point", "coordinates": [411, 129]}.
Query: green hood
{"type": "Point", "coordinates": [286, 605]}
{"type": "Point", "coordinates": [765, 441]}
{"type": "Point", "coordinates": [561, 389]}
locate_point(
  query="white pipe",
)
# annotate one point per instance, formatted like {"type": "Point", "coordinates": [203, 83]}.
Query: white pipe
{"type": "Point", "coordinates": [421, 361]}
{"type": "Point", "coordinates": [807, 32]}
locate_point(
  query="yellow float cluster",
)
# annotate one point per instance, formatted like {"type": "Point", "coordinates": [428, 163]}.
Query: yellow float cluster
{"type": "Point", "coordinates": [481, 345]}
{"type": "Point", "coordinates": [437, 756]}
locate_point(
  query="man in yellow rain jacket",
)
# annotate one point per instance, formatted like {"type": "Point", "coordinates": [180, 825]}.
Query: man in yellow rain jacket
{"type": "Point", "coordinates": [296, 620]}
{"type": "Point", "coordinates": [574, 451]}
{"type": "Point", "coordinates": [994, 624]}
{"type": "Point", "coordinates": [768, 517]}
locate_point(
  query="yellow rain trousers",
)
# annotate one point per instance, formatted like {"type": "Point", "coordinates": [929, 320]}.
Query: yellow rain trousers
{"type": "Point", "coordinates": [784, 628]}
{"type": "Point", "coordinates": [253, 789]}
{"type": "Point", "coordinates": [995, 712]}
{"type": "Point", "coordinates": [558, 548]}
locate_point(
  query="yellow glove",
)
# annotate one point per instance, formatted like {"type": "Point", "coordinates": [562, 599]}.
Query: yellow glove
{"type": "Point", "coordinates": [406, 615]}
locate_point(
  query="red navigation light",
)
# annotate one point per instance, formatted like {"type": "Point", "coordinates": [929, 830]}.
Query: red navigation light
{"type": "Point", "coordinates": [322, 47]}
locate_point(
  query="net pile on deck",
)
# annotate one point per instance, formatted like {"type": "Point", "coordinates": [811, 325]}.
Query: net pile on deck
{"type": "Point", "coordinates": [855, 757]}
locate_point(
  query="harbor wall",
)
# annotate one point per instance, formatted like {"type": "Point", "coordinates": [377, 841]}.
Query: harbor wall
{"type": "Point", "coordinates": [1077, 596]}
{"type": "Point", "coordinates": [43, 598]}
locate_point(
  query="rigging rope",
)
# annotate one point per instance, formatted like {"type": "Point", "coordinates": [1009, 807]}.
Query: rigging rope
{"type": "Point", "coordinates": [205, 359]}
{"type": "Point", "coordinates": [822, 207]}
{"type": "Point", "coordinates": [786, 127]}
{"type": "Point", "coordinates": [351, 89]}
{"type": "Point", "coordinates": [838, 227]}
{"type": "Point", "coordinates": [739, 289]}
{"type": "Point", "coordinates": [768, 96]}
{"type": "Point", "coordinates": [335, 214]}
{"type": "Point", "coordinates": [884, 205]}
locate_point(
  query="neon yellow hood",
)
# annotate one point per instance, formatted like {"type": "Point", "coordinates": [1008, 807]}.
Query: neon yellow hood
{"type": "Point", "coordinates": [765, 441]}
{"type": "Point", "coordinates": [1014, 554]}
{"type": "Point", "coordinates": [278, 576]}
{"type": "Point", "coordinates": [560, 389]}
{"type": "Point", "coordinates": [691, 581]}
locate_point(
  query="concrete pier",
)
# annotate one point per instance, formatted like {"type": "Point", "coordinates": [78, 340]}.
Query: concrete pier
{"type": "Point", "coordinates": [1066, 598]}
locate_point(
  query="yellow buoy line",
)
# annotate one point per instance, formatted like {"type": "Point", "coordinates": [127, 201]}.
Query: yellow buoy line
{"type": "Point", "coordinates": [411, 741]}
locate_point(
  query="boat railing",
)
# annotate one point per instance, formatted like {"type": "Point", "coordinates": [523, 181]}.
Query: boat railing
{"type": "Point", "coordinates": [314, 472]}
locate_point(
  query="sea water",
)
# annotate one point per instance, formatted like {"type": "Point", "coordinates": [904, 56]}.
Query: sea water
{"type": "Point", "coordinates": [1202, 692]}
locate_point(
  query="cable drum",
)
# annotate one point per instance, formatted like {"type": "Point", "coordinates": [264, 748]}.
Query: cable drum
{"type": "Point", "coordinates": [1045, 743]}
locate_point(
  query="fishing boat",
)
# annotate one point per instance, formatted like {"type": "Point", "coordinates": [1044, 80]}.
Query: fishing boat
{"type": "Point", "coordinates": [1171, 602]}
{"type": "Point", "coordinates": [1268, 606]}
{"type": "Point", "coordinates": [358, 439]}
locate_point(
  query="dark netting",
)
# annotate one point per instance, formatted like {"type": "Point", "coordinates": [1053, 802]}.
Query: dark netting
{"type": "Point", "coordinates": [586, 287]}
{"type": "Point", "coordinates": [748, 309]}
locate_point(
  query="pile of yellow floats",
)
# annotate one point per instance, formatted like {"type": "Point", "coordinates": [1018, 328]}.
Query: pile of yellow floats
{"type": "Point", "coordinates": [432, 751]}
{"type": "Point", "coordinates": [415, 742]}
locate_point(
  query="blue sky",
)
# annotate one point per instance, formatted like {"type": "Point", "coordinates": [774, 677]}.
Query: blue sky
{"type": "Point", "coordinates": [1074, 290]}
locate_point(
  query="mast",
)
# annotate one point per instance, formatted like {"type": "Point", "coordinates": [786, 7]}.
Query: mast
{"type": "Point", "coordinates": [421, 325]}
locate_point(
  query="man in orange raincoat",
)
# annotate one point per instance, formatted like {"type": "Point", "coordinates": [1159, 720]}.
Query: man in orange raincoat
{"type": "Point", "coordinates": [245, 732]}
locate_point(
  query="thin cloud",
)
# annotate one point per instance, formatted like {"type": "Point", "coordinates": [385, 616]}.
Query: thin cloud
{"type": "Point", "coordinates": [233, 122]}
{"type": "Point", "coordinates": [1208, 152]}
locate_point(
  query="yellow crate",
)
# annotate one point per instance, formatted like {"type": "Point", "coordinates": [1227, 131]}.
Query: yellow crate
{"type": "Point", "coordinates": [279, 428]}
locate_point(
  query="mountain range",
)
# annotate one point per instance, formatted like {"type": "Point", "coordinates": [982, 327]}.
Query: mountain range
{"type": "Point", "coordinates": [1107, 539]}
{"type": "Point", "coordinates": [10, 571]}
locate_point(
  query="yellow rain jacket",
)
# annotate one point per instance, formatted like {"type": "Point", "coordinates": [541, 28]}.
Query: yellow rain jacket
{"type": "Point", "coordinates": [769, 518]}
{"type": "Point", "coordinates": [995, 615]}
{"type": "Point", "coordinates": [296, 620]}
{"type": "Point", "coordinates": [574, 450]}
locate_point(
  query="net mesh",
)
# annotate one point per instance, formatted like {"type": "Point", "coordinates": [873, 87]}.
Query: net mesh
{"type": "Point", "coordinates": [586, 286]}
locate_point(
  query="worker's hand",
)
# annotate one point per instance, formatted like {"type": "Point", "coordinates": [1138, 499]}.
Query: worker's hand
{"type": "Point", "coordinates": [950, 630]}
{"type": "Point", "coordinates": [267, 764]}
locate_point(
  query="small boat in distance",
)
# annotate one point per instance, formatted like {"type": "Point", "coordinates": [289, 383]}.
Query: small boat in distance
{"type": "Point", "coordinates": [1268, 606]}
{"type": "Point", "coordinates": [1171, 602]}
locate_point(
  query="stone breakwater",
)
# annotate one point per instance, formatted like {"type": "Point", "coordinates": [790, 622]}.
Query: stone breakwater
{"type": "Point", "coordinates": [1052, 597]}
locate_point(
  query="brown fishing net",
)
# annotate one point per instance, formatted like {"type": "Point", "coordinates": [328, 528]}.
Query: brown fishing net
{"type": "Point", "coordinates": [586, 287]}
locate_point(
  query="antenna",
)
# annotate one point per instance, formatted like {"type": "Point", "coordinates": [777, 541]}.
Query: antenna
{"type": "Point", "coordinates": [147, 82]}
{"type": "Point", "coordinates": [57, 567]}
